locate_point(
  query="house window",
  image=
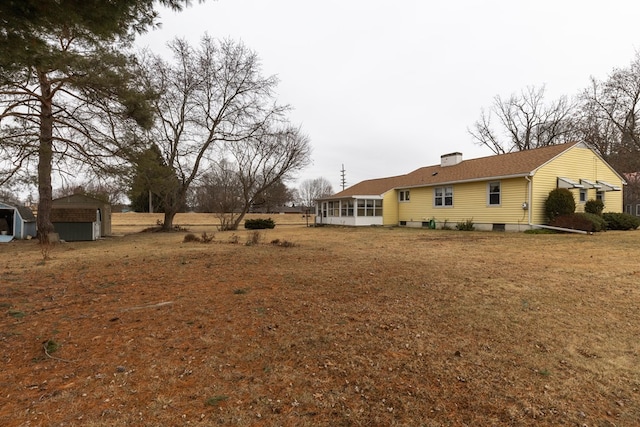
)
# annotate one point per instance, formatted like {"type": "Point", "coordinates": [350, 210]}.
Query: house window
{"type": "Point", "coordinates": [638, 210]}
{"type": "Point", "coordinates": [600, 195]}
{"type": "Point", "coordinates": [404, 195]}
{"type": "Point", "coordinates": [494, 193]}
{"type": "Point", "coordinates": [443, 196]}
{"type": "Point", "coordinates": [583, 195]}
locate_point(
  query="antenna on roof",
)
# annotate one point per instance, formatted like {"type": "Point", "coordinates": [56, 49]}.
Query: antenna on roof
{"type": "Point", "coordinates": [343, 180]}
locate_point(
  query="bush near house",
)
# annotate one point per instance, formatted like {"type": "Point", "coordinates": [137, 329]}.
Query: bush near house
{"type": "Point", "coordinates": [465, 225]}
{"type": "Point", "coordinates": [594, 207]}
{"type": "Point", "coordinates": [599, 224]}
{"type": "Point", "coordinates": [559, 202]}
{"type": "Point", "coordinates": [259, 224]}
{"type": "Point", "coordinates": [579, 221]}
{"type": "Point", "coordinates": [621, 221]}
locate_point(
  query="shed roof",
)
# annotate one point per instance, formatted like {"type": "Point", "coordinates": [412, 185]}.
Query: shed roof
{"type": "Point", "coordinates": [25, 212]}
{"type": "Point", "coordinates": [520, 163]}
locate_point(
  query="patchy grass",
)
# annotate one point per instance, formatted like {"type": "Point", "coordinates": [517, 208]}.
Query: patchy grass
{"type": "Point", "coordinates": [355, 327]}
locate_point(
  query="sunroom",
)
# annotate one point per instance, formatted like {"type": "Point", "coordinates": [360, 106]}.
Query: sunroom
{"type": "Point", "coordinates": [357, 210]}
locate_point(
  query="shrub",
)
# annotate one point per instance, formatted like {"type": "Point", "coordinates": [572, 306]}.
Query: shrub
{"type": "Point", "coordinates": [259, 224]}
{"type": "Point", "coordinates": [207, 238]}
{"type": "Point", "coordinates": [465, 225]}
{"type": "Point", "coordinates": [204, 238]}
{"type": "Point", "coordinates": [594, 207]}
{"type": "Point", "coordinates": [621, 221]}
{"type": "Point", "coordinates": [575, 221]}
{"type": "Point", "coordinates": [599, 224]}
{"type": "Point", "coordinates": [188, 238]}
{"type": "Point", "coordinates": [559, 202]}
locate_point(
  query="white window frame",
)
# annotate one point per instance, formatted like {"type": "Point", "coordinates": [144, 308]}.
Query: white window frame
{"type": "Point", "coordinates": [346, 208]}
{"type": "Point", "coordinates": [444, 194]}
{"type": "Point", "coordinates": [600, 195]}
{"type": "Point", "coordinates": [404, 196]}
{"type": "Point", "coordinates": [582, 196]}
{"type": "Point", "coordinates": [369, 207]}
{"type": "Point", "coordinates": [638, 209]}
{"type": "Point", "coordinates": [490, 193]}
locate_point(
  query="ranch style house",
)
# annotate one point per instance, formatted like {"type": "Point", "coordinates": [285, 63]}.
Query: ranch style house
{"type": "Point", "coordinates": [503, 192]}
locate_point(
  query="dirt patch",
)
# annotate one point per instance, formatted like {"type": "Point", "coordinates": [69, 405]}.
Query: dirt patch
{"type": "Point", "coordinates": [346, 326]}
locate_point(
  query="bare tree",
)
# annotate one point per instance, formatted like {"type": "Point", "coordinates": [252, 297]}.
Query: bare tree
{"type": "Point", "coordinates": [272, 198]}
{"type": "Point", "coordinates": [312, 189]}
{"type": "Point", "coordinates": [266, 160]}
{"type": "Point", "coordinates": [108, 191]}
{"type": "Point", "coordinates": [609, 117]}
{"type": "Point", "coordinates": [524, 122]}
{"type": "Point", "coordinates": [221, 193]}
{"type": "Point", "coordinates": [211, 96]}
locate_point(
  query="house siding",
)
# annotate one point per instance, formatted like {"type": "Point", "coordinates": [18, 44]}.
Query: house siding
{"type": "Point", "coordinates": [390, 208]}
{"type": "Point", "coordinates": [470, 201]}
{"type": "Point", "coordinates": [572, 164]}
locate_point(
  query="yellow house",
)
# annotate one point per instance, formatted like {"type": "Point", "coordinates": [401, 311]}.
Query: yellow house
{"type": "Point", "coordinates": [502, 192]}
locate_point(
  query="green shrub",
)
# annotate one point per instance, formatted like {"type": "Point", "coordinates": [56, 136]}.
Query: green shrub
{"type": "Point", "coordinates": [465, 225]}
{"type": "Point", "coordinates": [574, 221]}
{"type": "Point", "coordinates": [594, 207]}
{"type": "Point", "coordinates": [599, 224]}
{"type": "Point", "coordinates": [259, 224]}
{"type": "Point", "coordinates": [559, 202]}
{"type": "Point", "coordinates": [621, 221]}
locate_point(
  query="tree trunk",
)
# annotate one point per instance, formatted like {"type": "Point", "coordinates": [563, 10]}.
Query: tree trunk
{"type": "Point", "coordinates": [173, 203]}
{"type": "Point", "coordinates": [236, 222]}
{"type": "Point", "coordinates": [45, 158]}
{"type": "Point", "coordinates": [169, 215]}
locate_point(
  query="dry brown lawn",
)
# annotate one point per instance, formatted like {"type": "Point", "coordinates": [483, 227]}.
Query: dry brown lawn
{"type": "Point", "coordinates": [330, 327]}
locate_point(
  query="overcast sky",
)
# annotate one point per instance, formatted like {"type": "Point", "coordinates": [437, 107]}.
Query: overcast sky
{"type": "Point", "coordinates": [386, 87]}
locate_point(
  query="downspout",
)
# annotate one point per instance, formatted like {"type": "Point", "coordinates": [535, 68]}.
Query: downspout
{"type": "Point", "coordinates": [529, 198]}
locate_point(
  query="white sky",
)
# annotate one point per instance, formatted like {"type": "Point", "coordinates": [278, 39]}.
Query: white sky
{"type": "Point", "coordinates": [386, 87]}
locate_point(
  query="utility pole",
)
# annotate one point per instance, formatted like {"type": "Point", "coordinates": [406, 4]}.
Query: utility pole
{"type": "Point", "coordinates": [343, 180]}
